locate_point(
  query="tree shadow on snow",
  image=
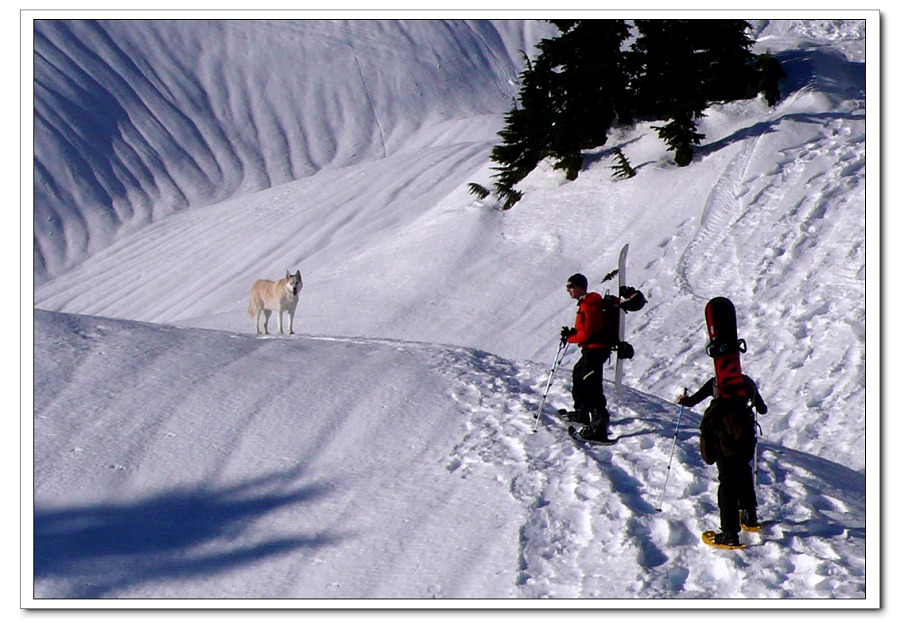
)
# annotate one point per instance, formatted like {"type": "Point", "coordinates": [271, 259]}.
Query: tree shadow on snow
{"type": "Point", "coordinates": [100, 549]}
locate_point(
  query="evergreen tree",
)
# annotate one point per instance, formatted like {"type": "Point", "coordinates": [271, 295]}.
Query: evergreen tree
{"type": "Point", "coordinates": [622, 168]}
{"type": "Point", "coordinates": [525, 134]}
{"type": "Point", "coordinates": [569, 98]}
{"type": "Point", "coordinates": [685, 66]}
{"type": "Point", "coordinates": [588, 83]}
{"type": "Point", "coordinates": [584, 81]}
{"type": "Point", "coordinates": [724, 50]}
{"type": "Point", "coordinates": [769, 73]}
{"type": "Point", "coordinates": [680, 135]}
{"type": "Point", "coordinates": [479, 191]}
{"type": "Point", "coordinates": [668, 70]}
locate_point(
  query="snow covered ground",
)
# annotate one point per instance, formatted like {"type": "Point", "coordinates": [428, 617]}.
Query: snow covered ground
{"type": "Point", "coordinates": [385, 454]}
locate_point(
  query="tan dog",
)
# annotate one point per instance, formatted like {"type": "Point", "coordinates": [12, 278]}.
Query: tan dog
{"type": "Point", "coordinates": [275, 296]}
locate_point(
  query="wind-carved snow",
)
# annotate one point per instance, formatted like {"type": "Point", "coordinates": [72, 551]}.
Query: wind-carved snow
{"type": "Point", "coordinates": [138, 119]}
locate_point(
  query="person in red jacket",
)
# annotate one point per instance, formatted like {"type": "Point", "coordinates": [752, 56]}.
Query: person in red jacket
{"type": "Point", "coordinates": [587, 374]}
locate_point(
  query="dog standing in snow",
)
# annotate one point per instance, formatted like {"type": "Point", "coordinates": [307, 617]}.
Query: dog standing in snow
{"type": "Point", "coordinates": [275, 296]}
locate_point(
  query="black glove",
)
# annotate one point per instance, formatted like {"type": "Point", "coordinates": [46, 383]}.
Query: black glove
{"type": "Point", "coordinates": [565, 333]}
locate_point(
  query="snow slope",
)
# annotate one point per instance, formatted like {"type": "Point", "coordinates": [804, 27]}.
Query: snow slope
{"type": "Point", "coordinates": [137, 119]}
{"type": "Point", "coordinates": [386, 450]}
{"type": "Point", "coordinates": [179, 463]}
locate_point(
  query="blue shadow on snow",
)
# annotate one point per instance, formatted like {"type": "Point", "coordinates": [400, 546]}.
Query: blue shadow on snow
{"type": "Point", "coordinates": [101, 549]}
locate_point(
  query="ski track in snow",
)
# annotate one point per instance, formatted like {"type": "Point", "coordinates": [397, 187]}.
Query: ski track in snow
{"type": "Point", "coordinates": [713, 245]}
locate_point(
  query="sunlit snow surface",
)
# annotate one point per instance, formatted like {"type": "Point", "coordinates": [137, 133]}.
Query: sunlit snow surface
{"type": "Point", "coordinates": [385, 451]}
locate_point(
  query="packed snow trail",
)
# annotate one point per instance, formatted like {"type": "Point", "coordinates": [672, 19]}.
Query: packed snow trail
{"type": "Point", "coordinates": [187, 463]}
{"type": "Point", "coordinates": [592, 528]}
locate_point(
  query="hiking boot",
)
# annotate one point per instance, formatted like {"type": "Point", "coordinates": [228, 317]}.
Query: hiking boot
{"type": "Point", "coordinates": [574, 416]}
{"type": "Point", "coordinates": [579, 416]}
{"type": "Point", "coordinates": [600, 420]}
{"type": "Point", "coordinates": [594, 434]}
{"type": "Point", "coordinates": [728, 538]}
{"type": "Point", "coordinates": [749, 520]}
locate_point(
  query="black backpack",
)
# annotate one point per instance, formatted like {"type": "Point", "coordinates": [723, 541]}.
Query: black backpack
{"type": "Point", "coordinates": [630, 300]}
{"type": "Point", "coordinates": [609, 335]}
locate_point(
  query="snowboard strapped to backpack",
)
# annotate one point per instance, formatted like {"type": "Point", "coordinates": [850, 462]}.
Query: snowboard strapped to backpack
{"type": "Point", "coordinates": [725, 348]}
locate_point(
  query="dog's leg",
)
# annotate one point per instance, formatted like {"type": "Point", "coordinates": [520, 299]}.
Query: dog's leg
{"type": "Point", "coordinates": [267, 314]}
{"type": "Point", "coordinates": [278, 313]}
{"type": "Point", "coordinates": [291, 322]}
{"type": "Point", "coordinates": [255, 314]}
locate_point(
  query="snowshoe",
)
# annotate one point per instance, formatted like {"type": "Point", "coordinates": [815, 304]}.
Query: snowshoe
{"type": "Point", "coordinates": [723, 540]}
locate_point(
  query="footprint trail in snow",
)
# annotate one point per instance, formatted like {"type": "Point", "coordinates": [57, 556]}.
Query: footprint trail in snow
{"type": "Point", "coordinates": [591, 526]}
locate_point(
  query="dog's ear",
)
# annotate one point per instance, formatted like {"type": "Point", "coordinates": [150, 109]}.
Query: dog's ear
{"type": "Point", "coordinates": [287, 274]}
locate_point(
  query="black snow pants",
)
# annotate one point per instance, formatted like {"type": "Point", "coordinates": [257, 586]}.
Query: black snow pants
{"type": "Point", "coordinates": [587, 388]}
{"type": "Point", "coordinates": [736, 490]}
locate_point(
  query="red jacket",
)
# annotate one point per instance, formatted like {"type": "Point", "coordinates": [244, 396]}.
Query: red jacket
{"type": "Point", "coordinates": [589, 322]}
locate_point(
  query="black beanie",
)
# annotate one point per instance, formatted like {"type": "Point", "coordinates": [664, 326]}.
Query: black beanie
{"type": "Point", "coordinates": [578, 280]}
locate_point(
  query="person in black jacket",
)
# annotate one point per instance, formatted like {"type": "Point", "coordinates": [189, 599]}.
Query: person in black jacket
{"type": "Point", "coordinates": [728, 440]}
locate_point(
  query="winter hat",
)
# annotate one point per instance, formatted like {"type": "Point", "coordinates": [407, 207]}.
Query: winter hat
{"type": "Point", "coordinates": [578, 280]}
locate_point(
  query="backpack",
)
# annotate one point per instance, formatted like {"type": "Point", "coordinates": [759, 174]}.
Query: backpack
{"type": "Point", "coordinates": [728, 428]}
{"type": "Point", "coordinates": [630, 300]}
{"type": "Point", "coordinates": [609, 312]}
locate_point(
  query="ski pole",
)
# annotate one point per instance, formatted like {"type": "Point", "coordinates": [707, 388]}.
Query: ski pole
{"type": "Point", "coordinates": [756, 450]}
{"type": "Point", "coordinates": [669, 468]}
{"type": "Point", "coordinates": [563, 348]}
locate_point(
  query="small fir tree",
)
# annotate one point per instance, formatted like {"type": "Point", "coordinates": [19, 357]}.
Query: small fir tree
{"type": "Point", "coordinates": [769, 73]}
{"type": "Point", "coordinates": [680, 135]}
{"type": "Point", "coordinates": [479, 191]}
{"type": "Point", "coordinates": [622, 168]}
